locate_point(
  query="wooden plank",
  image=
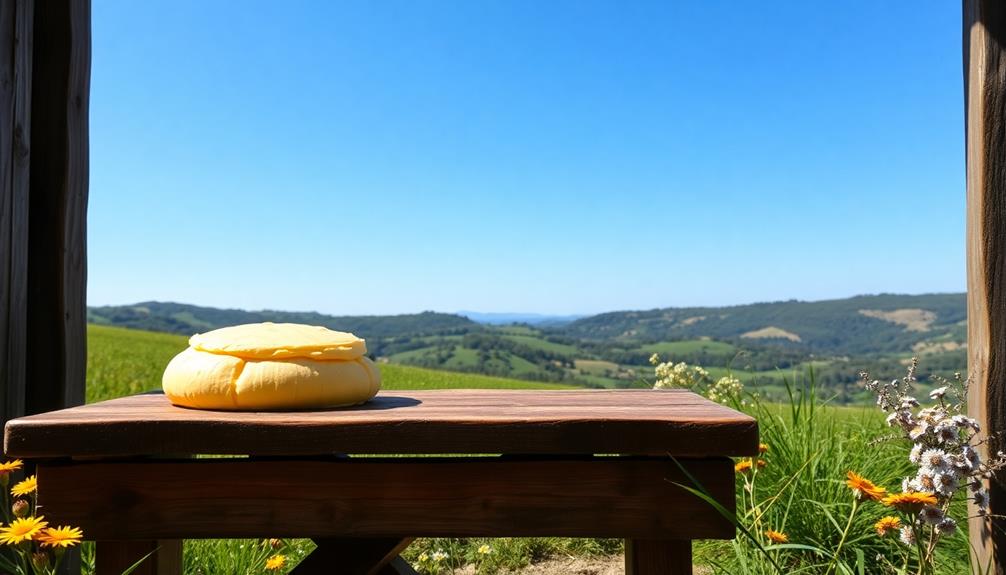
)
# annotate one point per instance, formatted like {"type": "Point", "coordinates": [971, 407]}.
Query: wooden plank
{"type": "Point", "coordinates": [446, 421]}
{"type": "Point", "coordinates": [57, 205]}
{"type": "Point", "coordinates": [985, 112]}
{"type": "Point", "coordinates": [446, 497]}
{"type": "Point", "coordinates": [114, 557]}
{"type": "Point", "coordinates": [357, 556]}
{"type": "Point", "coordinates": [656, 557]}
{"type": "Point", "coordinates": [16, 24]}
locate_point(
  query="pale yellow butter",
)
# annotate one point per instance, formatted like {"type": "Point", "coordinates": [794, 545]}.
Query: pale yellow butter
{"type": "Point", "coordinates": [271, 366]}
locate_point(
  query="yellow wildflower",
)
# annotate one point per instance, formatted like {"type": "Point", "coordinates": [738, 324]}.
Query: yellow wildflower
{"type": "Point", "coordinates": [275, 563]}
{"type": "Point", "coordinates": [63, 536]}
{"type": "Point", "coordinates": [910, 501]}
{"type": "Point", "coordinates": [8, 466]}
{"type": "Point", "coordinates": [777, 536]}
{"type": "Point", "coordinates": [24, 487]}
{"type": "Point", "coordinates": [863, 488]}
{"type": "Point", "coordinates": [21, 530]}
{"type": "Point", "coordinates": [886, 525]}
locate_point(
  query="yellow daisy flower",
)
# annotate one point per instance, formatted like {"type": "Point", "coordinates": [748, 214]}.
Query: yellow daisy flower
{"type": "Point", "coordinates": [863, 488]}
{"type": "Point", "coordinates": [63, 536]}
{"type": "Point", "coordinates": [910, 501]}
{"type": "Point", "coordinates": [777, 536]}
{"type": "Point", "coordinates": [22, 530]}
{"type": "Point", "coordinates": [8, 466]}
{"type": "Point", "coordinates": [275, 563]}
{"type": "Point", "coordinates": [886, 525]}
{"type": "Point", "coordinates": [24, 487]}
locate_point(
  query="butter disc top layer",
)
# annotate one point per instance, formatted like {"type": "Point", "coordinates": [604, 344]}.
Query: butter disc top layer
{"type": "Point", "coordinates": [280, 341]}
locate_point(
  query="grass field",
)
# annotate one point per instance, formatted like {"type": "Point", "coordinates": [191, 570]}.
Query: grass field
{"type": "Point", "coordinates": [125, 361]}
{"type": "Point", "coordinates": [800, 491]}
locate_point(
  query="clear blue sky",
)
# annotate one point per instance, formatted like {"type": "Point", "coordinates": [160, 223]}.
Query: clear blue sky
{"type": "Point", "coordinates": [555, 157]}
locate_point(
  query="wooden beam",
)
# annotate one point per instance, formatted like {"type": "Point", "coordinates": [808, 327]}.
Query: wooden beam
{"type": "Point", "coordinates": [985, 125]}
{"type": "Point", "coordinates": [395, 497]}
{"type": "Point", "coordinates": [16, 25]}
{"type": "Point", "coordinates": [56, 336]}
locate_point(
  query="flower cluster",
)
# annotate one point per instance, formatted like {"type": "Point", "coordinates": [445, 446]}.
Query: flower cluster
{"type": "Point", "coordinates": [432, 562]}
{"type": "Point", "coordinates": [944, 450]}
{"type": "Point", "coordinates": [35, 547]}
{"type": "Point", "coordinates": [671, 375]}
{"type": "Point", "coordinates": [727, 389]}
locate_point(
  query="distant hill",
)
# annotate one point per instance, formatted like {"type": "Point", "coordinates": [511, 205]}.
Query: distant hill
{"type": "Point", "coordinates": [853, 326]}
{"type": "Point", "coordinates": [535, 319]}
{"type": "Point", "coordinates": [762, 343]}
{"type": "Point", "coordinates": [189, 319]}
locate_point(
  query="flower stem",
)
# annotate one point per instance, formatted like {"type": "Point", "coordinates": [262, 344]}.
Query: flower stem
{"type": "Point", "coordinates": [845, 533]}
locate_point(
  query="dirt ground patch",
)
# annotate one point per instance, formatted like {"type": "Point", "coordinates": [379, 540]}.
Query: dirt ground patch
{"type": "Point", "coordinates": [613, 565]}
{"type": "Point", "coordinates": [912, 319]}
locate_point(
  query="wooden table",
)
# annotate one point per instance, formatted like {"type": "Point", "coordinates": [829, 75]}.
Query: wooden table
{"type": "Point", "coordinates": [573, 463]}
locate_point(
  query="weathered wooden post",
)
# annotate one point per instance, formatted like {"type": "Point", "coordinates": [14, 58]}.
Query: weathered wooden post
{"type": "Point", "coordinates": [985, 127]}
{"type": "Point", "coordinates": [45, 64]}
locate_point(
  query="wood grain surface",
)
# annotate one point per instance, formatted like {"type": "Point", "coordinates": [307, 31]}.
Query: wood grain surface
{"type": "Point", "coordinates": [627, 497]}
{"type": "Point", "coordinates": [985, 113]}
{"type": "Point", "coordinates": [400, 422]}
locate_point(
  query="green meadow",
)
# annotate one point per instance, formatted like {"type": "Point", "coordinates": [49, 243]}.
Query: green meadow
{"type": "Point", "coordinates": [800, 491]}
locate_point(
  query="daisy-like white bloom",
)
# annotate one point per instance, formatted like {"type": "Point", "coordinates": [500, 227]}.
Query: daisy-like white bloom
{"type": "Point", "coordinates": [947, 526]}
{"type": "Point", "coordinates": [906, 485]}
{"type": "Point", "coordinates": [938, 393]}
{"type": "Point", "coordinates": [971, 457]}
{"type": "Point", "coordinates": [438, 556]}
{"type": "Point", "coordinates": [936, 461]}
{"type": "Point", "coordinates": [921, 428]}
{"type": "Point", "coordinates": [946, 483]}
{"type": "Point", "coordinates": [965, 422]}
{"type": "Point", "coordinates": [924, 481]}
{"type": "Point", "coordinates": [909, 402]}
{"type": "Point", "coordinates": [915, 455]}
{"type": "Point", "coordinates": [981, 499]}
{"type": "Point", "coordinates": [947, 433]}
{"type": "Point", "coordinates": [907, 536]}
{"type": "Point", "coordinates": [931, 514]}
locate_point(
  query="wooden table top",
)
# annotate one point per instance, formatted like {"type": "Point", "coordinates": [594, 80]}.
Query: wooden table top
{"type": "Point", "coordinates": [640, 422]}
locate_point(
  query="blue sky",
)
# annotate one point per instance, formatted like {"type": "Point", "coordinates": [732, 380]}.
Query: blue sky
{"type": "Point", "coordinates": [553, 157]}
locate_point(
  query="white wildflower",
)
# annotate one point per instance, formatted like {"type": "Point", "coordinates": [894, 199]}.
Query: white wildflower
{"type": "Point", "coordinates": [947, 526]}
{"type": "Point", "coordinates": [907, 536]}
{"type": "Point", "coordinates": [915, 455]}
{"type": "Point", "coordinates": [972, 460]}
{"type": "Point", "coordinates": [938, 393]}
{"type": "Point", "coordinates": [981, 499]}
{"type": "Point", "coordinates": [946, 483]}
{"type": "Point", "coordinates": [925, 481]}
{"type": "Point", "coordinates": [931, 514]}
{"type": "Point", "coordinates": [936, 461]}
{"type": "Point", "coordinates": [438, 555]}
{"type": "Point", "coordinates": [920, 429]}
{"type": "Point", "coordinates": [947, 433]}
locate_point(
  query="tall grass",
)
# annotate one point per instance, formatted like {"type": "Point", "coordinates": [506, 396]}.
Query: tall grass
{"type": "Point", "coordinates": [801, 492]}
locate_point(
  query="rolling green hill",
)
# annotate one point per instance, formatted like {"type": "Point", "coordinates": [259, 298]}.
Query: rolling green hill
{"type": "Point", "coordinates": [761, 342]}
{"type": "Point", "coordinates": [124, 361]}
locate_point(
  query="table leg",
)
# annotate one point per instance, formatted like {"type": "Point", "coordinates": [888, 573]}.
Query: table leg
{"type": "Point", "coordinates": [356, 556]}
{"type": "Point", "coordinates": [114, 557]}
{"type": "Point", "coordinates": [658, 557]}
